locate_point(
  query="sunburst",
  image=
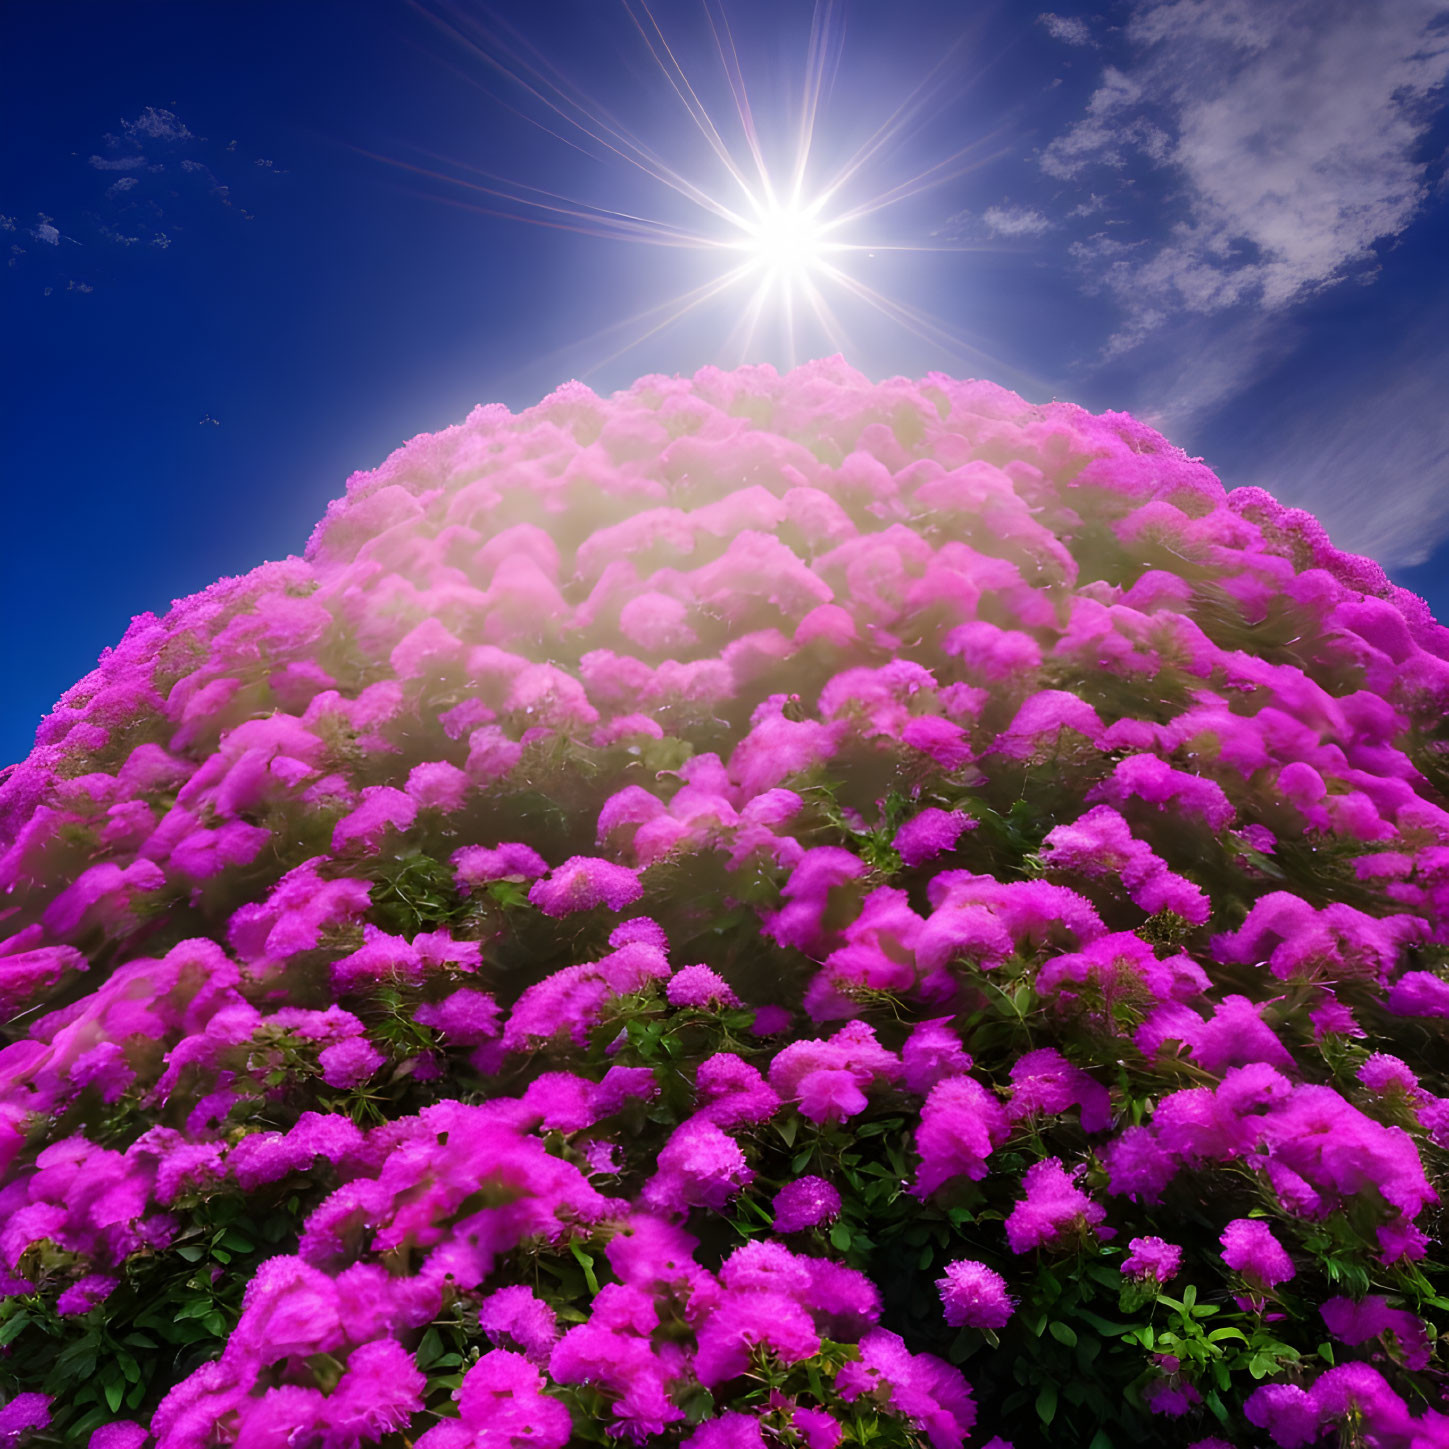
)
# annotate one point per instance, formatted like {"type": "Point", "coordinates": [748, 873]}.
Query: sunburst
{"type": "Point", "coordinates": [786, 242]}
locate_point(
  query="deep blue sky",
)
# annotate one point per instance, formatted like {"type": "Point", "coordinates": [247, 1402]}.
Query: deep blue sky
{"type": "Point", "coordinates": [1228, 215]}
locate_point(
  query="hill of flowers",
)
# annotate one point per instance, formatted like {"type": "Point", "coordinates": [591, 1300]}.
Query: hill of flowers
{"type": "Point", "coordinates": [759, 911]}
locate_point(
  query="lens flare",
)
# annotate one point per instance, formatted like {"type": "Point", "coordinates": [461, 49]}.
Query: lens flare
{"type": "Point", "coordinates": [786, 235]}
{"type": "Point", "coordinates": [786, 242]}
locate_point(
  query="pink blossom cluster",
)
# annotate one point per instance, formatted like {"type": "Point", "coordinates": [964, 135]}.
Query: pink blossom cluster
{"type": "Point", "coordinates": [631, 808]}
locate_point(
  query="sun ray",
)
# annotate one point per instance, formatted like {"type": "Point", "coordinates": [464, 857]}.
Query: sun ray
{"type": "Point", "coordinates": [787, 243]}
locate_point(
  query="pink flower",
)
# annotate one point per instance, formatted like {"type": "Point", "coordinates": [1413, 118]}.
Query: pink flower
{"type": "Point", "coordinates": [1250, 1248]}
{"type": "Point", "coordinates": [502, 1395]}
{"type": "Point", "coordinates": [975, 1295]}
{"type": "Point", "coordinates": [1054, 1211]}
{"type": "Point", "coordinates": [732, 1093]}
{"type": "Point", "coordinates": [349, 1063]}
{"type": "Point", "coordinates": [1044, 1081]}
{"type": "Point", "coordinates": [23, 1412]}
{"type": "Point", "coordinates": [961, 1123]}
{"type": "Point", "coordinates": [519, 1315]}
{"type": "Point", "coordinates": [464, 1016]}
{"type": "Point", "coordinates": [1355, 1323]}
{"type": "Point", "coordinates": [700, 987]}
{"type": "Point", "coordinates": [1173, 1400]}
{"type": "Point", "coordinates": [474, 865]}
{"type": "Point", "coordinates": [438, 786]}
{"type": "Point", "coordinates": [933, 1051]}
{"type": "Point", "coordinates": [1150, 1257]}
{"type": "Point", "coordinates": [700, 1166]}
{"type": "Point", "coordinates": [583, 882]}
{"type": "Point", "coordinates": [382, 808]}
{"type": "Point", "coordinates": [927, 1390]}
{"type": "Point", "coordinates": [929, 833]}
{"type": "Point", "coordinates": [379, 1393]}
{"type": "Point", "coordinates": [1287, 1412]}
{"type": "Point", "coordinates": [805, 1203]}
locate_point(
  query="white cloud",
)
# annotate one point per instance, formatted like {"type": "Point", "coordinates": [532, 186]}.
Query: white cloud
{"type": "Point", "coordinates": [1069, 29]}
{"type": "Point", "coordinates": [7, 223]}
{"type": "Point", "coordinates": [121, 185]}
{"type": "Point", "coordinates": [1014, 221]}
{"type": "Point", "coordinates": [157, 125]}
{"type": "Point", "coordinates": [1289, 130]}
{"type": "Point", "coordinates": [161, 240]}
{"type": "Point", "coordinates": [45, 231]}
{"type": "Point", "coordinates": [74, 286]}
{"type": "Point", "coordinates": [117, 163]}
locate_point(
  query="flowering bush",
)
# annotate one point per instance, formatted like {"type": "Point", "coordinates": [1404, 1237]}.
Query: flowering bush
{"type": "Point", "coordinates": [759, 911]}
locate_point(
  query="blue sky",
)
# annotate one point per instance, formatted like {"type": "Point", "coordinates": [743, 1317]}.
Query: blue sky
{"type": "Point", "coordinates": [230, 283]}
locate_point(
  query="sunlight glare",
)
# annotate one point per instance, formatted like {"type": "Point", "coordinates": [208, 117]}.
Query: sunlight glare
{"type": "Point", "coordinates": [785, 241]}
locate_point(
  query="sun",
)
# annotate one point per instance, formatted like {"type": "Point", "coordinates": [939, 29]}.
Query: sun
{"type": "Point", "coordinates": [788, 237]}
{"type": "Point", "coordinates": [786, 242]}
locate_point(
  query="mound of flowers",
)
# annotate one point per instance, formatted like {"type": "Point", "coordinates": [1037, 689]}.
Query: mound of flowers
{"type": "Point", "coordinates": [759, 911]}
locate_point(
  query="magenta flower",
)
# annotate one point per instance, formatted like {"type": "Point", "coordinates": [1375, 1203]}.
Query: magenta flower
{"type": "Point", "coordinates": [974, 1295]}
{"type": "Point", "coordinates": [1150, 1257]}
{"type": "Point", "coordinates": [1250, 1248]}
{"type": "Point", "coordinates": [700, 987]}
{"type": "Point", "coordinates": [805, 1203]}
{"type": "Point", "coordinates": [583, 882]}
{"type": "Point", "coordinates": [961, 1123]}
{"type": "Point", "coordinates": [700, 1166]}
{"type": "Point", "coordinates": [930, 832]}
{"type": "Point", "coordinates": [1054, 1212]}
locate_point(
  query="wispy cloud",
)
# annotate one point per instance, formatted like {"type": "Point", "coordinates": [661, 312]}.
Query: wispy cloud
{"type": "Point", "coordinates": [46, 231]}
{"type": "Point", "coordinates": [121, 185]}
{"type": "Point", "coordinates": [117, 163]}
{"type": "Point", "coordinates": [1014, 221]}
{"type": "Point", "coordinates": [1372, 463]}
{"type": "Point", "coordinates": [1069, 29]}
{"type": "Point", "coordinates": [1288, 132]}
{"type": "Point", "coordinates": [155, 124]}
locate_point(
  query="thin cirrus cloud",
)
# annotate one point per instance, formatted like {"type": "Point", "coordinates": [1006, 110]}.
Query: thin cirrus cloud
{"type": "Point", "coordinates": [1371, 461]}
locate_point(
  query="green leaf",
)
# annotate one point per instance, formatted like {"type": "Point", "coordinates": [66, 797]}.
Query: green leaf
{"type": "Point", "coordinates": [840, 1237]}
{"type": "Point", "coordinates": [587, 1264]}
{"type": "Point", "coordinates": [1046, 1403]}
{"type": "Point", "coordinates": [115, 1391]}
{"type": "Point", "coordinates": [1063, 1333]}
{"type": "Point", "coordinates": [430, 1349]}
